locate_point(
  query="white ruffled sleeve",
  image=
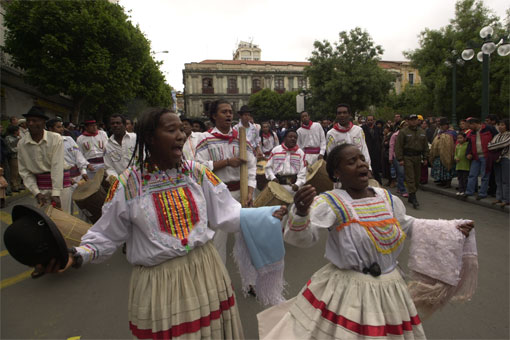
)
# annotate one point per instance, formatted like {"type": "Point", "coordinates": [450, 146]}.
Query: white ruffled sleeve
{"type": "Point", "coordinates": [303, 231]}
{"type": "Point", "coordinates": [399, 211]}
{"type": "Point", "coordinates": [223, 211]}
{"type": "Point", "coordinates": [110, 231]}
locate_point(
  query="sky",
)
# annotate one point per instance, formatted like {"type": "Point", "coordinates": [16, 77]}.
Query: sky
{"type": "Point", "coordinates": [195, 30]}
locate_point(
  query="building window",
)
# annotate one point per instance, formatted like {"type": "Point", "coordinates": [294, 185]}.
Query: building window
{"type": "Point", "coordinates": [301, 83]}
{"type": "Point", "coordinates": [207, 86]}
{"type": "Point", "coordinates": [232, 85]}
{"type": "Point", "coordinates": [255, 85]}
{"type": "Point", "coordinates": [207, 105]}
{"type": "Point", "coordinates": [411, 79]}
{"type": "Point", "coordinates": [278, 85]}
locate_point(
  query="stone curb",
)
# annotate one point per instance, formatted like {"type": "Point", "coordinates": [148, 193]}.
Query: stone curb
{"type": "Point", "coordinates": [486, 202]}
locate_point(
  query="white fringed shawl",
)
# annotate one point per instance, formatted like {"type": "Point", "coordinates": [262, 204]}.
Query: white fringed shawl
{"type": "Point", "coordinates": [443, 264]}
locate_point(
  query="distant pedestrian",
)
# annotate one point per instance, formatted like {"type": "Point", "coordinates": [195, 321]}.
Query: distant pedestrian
{"type": "Point", "coordinates": [3, 187]}
{"type": "Point", "coordinates": [478, 153]}
{"type": "Point", "coordinates": [311, 139]}
{"type": "Point", "coordinates": [411, 150]}
{"type": "Point", "coordinates": [463, 164]}
{"type": "Point", "coordinates": [12, 139]}
{"type": "Point", "coordinates": [500, 144]}
{"type": "Point", "coordinates": [442, 154]}
{"type": "Point", "coordinates": [373, 139]}
{"type": "Point", "coordinates": [399, 169]}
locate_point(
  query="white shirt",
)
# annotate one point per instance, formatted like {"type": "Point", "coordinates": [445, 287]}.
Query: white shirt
{"type": "Point", "coordinates": [133, 213]}
{"type": "Point", "coordinates": [93, 146]}
{"type": "Point", "coordinates": [212, 148]}
{"type": "Point", "coordinates": [354, 136]}
{"type": "Point", "coordinates": [286, 162]}
{"type": "Point", "coordinates": [252, 134]}
{"type": "Point", "coordinates": [267, 144]}
{"type": "Point", "coordinates": [38, 158]}
{"type": "Point", "coordinates": [356, 244]}
{"type": "Point", "coordinates": [73, 155]}
{"type": "Point", "coordinates": [117, 157]}
{"type": "Point", "coordinates": [312, 138]}
{"type": "Point", "coordinates": [189, 148]}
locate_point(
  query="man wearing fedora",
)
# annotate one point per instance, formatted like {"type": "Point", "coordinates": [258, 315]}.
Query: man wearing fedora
{"type": "Point", "coordinates": [92, 144]}
{"type": "Point", "coordinates": [41, 162]}
{"type": "Point", "coordinates": [252, 134]}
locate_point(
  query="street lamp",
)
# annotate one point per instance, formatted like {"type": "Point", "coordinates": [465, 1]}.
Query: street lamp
{"type": "Point", "coordinates": [488, 47]}
{"type": "Point", "coordinates": [452, 63]}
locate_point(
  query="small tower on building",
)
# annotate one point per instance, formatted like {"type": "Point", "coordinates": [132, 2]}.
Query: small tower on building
{"type": "Point", "coordinates": [247, 51]}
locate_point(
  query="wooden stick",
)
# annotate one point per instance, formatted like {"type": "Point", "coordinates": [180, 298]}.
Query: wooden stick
{"type": "Point", "coordinates": [244, 166]}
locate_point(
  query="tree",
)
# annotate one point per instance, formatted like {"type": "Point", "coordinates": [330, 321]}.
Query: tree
{"type": "Point", "coordinates": [86, 49]}
{"type": "Point", "coordinates": [435, 48]}
{"type": "Point", "coordinates": [267, 104]}
{"type": "Point", "coordinates": [347, 72]}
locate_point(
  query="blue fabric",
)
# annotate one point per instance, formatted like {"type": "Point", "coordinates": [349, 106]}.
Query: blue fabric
{"type": "Point", "coordinates": [478, 168]}
{"type": "Point", "coordinates": [263, 235]}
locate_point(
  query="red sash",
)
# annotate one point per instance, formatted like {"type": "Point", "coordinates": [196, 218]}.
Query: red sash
{"type": "Point", "coordinates": [44, 180]}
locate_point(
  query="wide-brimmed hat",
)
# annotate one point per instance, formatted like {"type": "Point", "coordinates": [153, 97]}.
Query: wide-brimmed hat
{"type": "Point", "coordinates": [36, 111]}
{"type": "Point", "coordinates": [33, 238]}
{"type": "Point", "coordinates": [244, 109]}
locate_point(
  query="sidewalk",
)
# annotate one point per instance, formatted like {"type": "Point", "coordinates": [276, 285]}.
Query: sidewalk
{"type": "Point", "coordinates": [486, 202]}
{"type": "Point", "coordinates": [16, 196]}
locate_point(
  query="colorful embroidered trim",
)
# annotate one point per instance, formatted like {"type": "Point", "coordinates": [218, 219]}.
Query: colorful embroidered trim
{"type": "Point", "coordinates": [212, 177]}
{"type": "Point", "coordinates": [111, 191]}
{"type": "Point", "coordinates": [298, 223]}
{"type": "Point", "coordinates": [177, 211]}
{"type": "Point", "coordinates": [91, 251]}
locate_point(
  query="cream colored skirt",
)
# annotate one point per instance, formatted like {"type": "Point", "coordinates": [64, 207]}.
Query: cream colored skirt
{"type": "Point", "coordinates": [345, 304]}
{"type": "Point", "coordinates": [189, 297]}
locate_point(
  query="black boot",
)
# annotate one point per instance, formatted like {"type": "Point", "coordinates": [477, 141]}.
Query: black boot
{"type": "Point", "coordinates": [413, 200]}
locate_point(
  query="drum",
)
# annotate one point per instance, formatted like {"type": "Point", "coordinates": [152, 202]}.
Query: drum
{"type": "Point", "coordinates": [317, 177]}
{"type": "Point", "coordinates": [90, 196]}
{"type": "Point", "coordinates": [71, 228]}
{"type": "Point", "coordinates": [273, 194]}
{"type": "Point", "coordinates": [261, 175]}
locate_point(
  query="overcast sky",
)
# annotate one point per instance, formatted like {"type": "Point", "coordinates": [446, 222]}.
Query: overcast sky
{"type": "Point", "coordinates": [195, 30]}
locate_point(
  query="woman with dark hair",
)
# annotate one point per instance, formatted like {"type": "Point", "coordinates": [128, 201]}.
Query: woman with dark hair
{"type": "Point", "coordinates": [164, 209]}
{"type": "Point", "coordinates": [287, 164]}
{"type": "Point", "coordinates": [360, 293]}
{"type": "Point", "coordinates": [500, 144]}
{"type": "Point", "coordinates": [442, 154]}
{"type": "Point", "coordinates": [220, 146]}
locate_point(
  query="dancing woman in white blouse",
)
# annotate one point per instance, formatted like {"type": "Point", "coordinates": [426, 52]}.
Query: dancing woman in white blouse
{"type": "Point", "coordinates": [360, 293]}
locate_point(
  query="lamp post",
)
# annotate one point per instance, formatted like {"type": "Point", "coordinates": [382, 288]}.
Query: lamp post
{"type": "Point", "coordinates": [488, 46]}
{"type": "Point", "coordinates": [452, 63]}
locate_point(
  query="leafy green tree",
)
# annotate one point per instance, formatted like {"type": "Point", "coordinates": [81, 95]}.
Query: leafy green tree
{"type": "Point", "coordinates": [267, 104]}
{"type": "Point", "coordinates": [86, 49]}
{"type": "Point", "coordinates": [287, 110]}
{"type": "Point", "coordinates": [436, 47]}
{"type": "Point", "coordinates": [347, 72]}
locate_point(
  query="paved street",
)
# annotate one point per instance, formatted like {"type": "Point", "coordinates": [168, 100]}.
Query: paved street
{"type": "Point", "coordinates": [92, 302]}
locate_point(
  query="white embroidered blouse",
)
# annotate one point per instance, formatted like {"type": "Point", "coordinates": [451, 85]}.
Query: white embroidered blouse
{"type": "Point", "coordinates": [161, 215]}
{"type": "Point", "coordinates": [93, 146]}
{"type": "Point", "coordinates": [361, 231]}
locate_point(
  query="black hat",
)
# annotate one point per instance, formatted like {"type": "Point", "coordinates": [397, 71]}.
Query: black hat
{"type": "Point", "coordinates": [33, 238]}
{"type": "Point", "coordinates": [36, 111]}
{"type": "Point", "coordinates": [413, 116]}
{"type": "Point", "coordinates": [443, 121]}
{"type": "Point", "coordinates": [244, 109]}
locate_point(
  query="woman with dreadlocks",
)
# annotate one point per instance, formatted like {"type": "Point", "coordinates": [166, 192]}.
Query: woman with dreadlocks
{"type": "Point", "coordinates": [163, 208]}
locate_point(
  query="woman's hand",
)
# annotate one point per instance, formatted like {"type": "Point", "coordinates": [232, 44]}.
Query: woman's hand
{"type": "Point", "coordinates": [304, 198]}
{"type": "Point", "coordinates": [235, 162]}
{"type": "Point", "coordinates": [51, 268]}
{"type": "Point", "coordinates": [280, 212]}
{"type": "Point", "coordinates": [466, 228]}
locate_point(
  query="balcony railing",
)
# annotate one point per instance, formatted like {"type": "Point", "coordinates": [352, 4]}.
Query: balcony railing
{"type": "Point", "coordinates": [232, 90]}
{"type": "Point", "coordinates": [255, 89]}
{"type": "Point", "coordinates": [208, 90]}
{"type": "Point", "coordinates": [281, 90]}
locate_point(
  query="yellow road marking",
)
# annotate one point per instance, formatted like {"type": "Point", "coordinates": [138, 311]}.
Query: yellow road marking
{"type": "Point", "coordinates": [74, 338]}
{"type": "Point", "coordinates": [3, 253]}
{"type": "Point", "coordinates": [5, 217]}
{"type": "Point", "coordinates": [15, 279]}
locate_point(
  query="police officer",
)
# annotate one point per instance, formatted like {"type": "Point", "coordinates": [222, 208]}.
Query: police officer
{"type": "Point", "coordinates": [411, 149]}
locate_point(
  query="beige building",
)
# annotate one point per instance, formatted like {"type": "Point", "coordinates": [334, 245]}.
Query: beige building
{"type": "Point", "coordinates": [247, 51]}
{"type": "Point", "coordinates": [236, 80]}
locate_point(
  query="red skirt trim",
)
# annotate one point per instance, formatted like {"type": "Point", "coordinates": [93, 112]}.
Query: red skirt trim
{"type": "Point", "coordinates": [365, 330]}
{"type": "Point", "coordinates": [185, 327]}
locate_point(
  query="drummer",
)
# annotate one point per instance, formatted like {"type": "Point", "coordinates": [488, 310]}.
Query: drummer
{"type": "Point", "coordinates": [92, 144]}
{"type": "Point", "coordinates": [287, 164]}
{"type": "Point", "coordinates": [311, 139]}
{"type": "Point", "coordinates": [268, 139]}
{"type": "Point", "coordinates": [41, 162]}
{"type": "Point", "coordinates": [221, 146]}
